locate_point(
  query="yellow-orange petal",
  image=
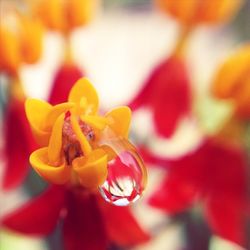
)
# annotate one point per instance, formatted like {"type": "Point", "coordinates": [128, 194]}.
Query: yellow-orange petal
{"type": "Point", "coordinates": [85, 146]}
{"type": "Point", "coordinates": [191, 12]}
{"type": "Point", "coordinates": [31, 39]}
{"type": "Point", "coordinates": [51, 13]}
{"type": "Point", "coordinates": [55, 112]}
{"type": "Point", "coordinates": [232, 81]}
{"type": "Point", "coordinates": [95, 121]}
{"type": "Point", "coordinates": [10, 58]}
{"type": "Point", "coordinates": [36, 112]}
{"type": "Point", "coordinates": [80, 12]}
{"type": "Point", "coordinates": [56, 175]}
{"type": "Point", "coordinates": [55, 142]}
{"type": "Point", "coordinates": [84, 89]}
{"type": "Point", "coordinates": [92, 170]}
{"type": "Point", "coordinates": [119, 120]}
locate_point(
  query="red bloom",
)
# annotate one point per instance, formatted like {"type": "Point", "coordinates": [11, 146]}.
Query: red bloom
{"type": "Point", "coordinates": [167, 93]}
{"type": "Point", "coordinates": [214, 174]}
{"type": "Point", "coordinates": [18, 145]}
{"type": "Point", "coordinates": [64, 79]}
{"type": "Point", "coordinates": [89, 222]}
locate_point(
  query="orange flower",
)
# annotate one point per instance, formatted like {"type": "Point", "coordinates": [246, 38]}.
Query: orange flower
{"type": "Point", "coordinates": [232, 81]}
{"type": "Point", "coordinates": [70, 133]}
{"type": "Point", "coordinates": [64, 15]}
{"type": "Point", "coordinates": [191, 12]}
{"type": "Point", "coordinates": [21, 42]}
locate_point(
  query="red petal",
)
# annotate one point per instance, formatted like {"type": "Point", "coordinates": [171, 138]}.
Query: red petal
{"type": "Point", "coordinates": [39, 216]}
{"type": "Point", "coordinates": [121, 225]}
{"type": "Point", "coordinates": [18, 144]}
{"type": "Point", "coordinates": [167, 92]}
{"type": "Point", "coordinates": [83, 226]}
{"type": "Point", "coordinates": [64, 79]}
{"type": "Point", "coordinates": [174, 195]}
{"type": "Point", "coordinates": [226, 217]}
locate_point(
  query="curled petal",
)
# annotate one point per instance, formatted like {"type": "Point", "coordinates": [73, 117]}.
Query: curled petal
{"type": "Point", "coordinates": [55, 142]}
{"type": "Point", "coordinates": [84, 89]}
{"type": "Point", "coordinates": [39, 216]}
{"type": "Point", "coordinates": [56, 175]}
{"type": "Point", "coordinates": [97, 122]}
{"type": "Point", "coordinates": [119, 120]}
{"type": "Point", "coordinates": [55, 112]}
{"type": "Point", "coordinates": [92, 172]}
{"type": "Point", "coordinates": [36, 112]}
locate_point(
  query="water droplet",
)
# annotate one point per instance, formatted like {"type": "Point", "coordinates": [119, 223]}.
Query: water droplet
{"type": "Point", "coordinates": [127, 175]}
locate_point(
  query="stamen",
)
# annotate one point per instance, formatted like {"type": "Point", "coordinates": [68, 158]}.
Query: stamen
{"type": "Point", "coordinates": [71, 146]}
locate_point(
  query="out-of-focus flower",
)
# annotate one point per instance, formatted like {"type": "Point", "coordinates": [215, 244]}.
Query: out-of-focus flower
{"type": "Point", "coordinates": [193, 12]}
{"type": "Point", "coordinates": [232, 81]}
{"type": "Point", "coordinates": [214, 175]}
{"type": "Point", "coordinates": [167, 94]}
{"type": "Point", "coordinates": [74, 158]}
{"type": "Point", "coordinates": [64, 15]}
{"type": "Point", "coordinates": [21, 42]}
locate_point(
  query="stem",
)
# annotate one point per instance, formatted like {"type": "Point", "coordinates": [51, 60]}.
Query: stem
{"type": "Point", "coordinates": [181, 43]}
{"type": "Point", "coordinates": [68, 57]}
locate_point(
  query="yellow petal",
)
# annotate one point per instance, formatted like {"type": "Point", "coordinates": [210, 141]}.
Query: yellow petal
{"type": "Point", "coordinates": [31, 39]}
{"type": "Point", "coordinates": [119, 120]}
{"type": "Point", "coordinates": [36, 112]}
{"type": "Point", "coordinates": [56, 175]}
{"type": "Point", "coordinates": [85, 146]}
{"type": "Point", "coordinates": [10, 58]}
{"type": "Point", "coordinates": [84, 89]}
{"type": "Point", "coordinates": [55, 142]}
{"type": "Point", "coordinates": [55, 112]}
{"type": "Point", "coordinates": [97, 122]}
{"type": "Point", "coordinates": [92, 172]}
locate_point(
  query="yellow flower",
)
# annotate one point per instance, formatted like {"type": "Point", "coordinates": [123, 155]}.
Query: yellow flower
{"type": "Point", "coordinates": [192, 12]}
{"type": "Point", "coordinates": [21, 42]}
{"type": "Point", "coordinates": [232, 81]}
{"type": "Point", "coordinates": [64, 15]}
{"type": "Point", "coordinates": [70, 133]}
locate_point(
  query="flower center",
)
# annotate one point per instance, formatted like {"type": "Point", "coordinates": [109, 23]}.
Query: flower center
{"type": "Point", "coordinates": [71, 145]}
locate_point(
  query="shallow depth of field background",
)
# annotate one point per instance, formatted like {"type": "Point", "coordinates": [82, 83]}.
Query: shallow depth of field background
{"type": "Point", "coordinates": [117, 51]}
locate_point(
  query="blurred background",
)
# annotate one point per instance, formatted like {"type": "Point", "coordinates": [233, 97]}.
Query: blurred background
{"type": "Point", "coordinates": [118, 50]}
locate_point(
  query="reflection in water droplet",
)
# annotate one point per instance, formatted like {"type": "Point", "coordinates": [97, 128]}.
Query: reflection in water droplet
{"type": "Point", "coordinates": [127, 174]}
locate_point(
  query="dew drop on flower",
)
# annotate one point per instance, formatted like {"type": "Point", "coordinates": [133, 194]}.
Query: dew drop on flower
{"type": "Point", "coordinates": [127, 174]}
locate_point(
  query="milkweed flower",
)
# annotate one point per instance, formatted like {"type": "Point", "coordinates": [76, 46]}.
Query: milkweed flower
{"type": "Point", "coordinates": [81, 152]}
{"type": "Point", "coordinates": [232, 81]}
{"type": "Point", "coordinates": [64, 16]}
{"type": "Point", "coordinates": [167, 91]}
{"type": "Point", "coordinates": [21, 42]}
{"type": "Point", "coordinates": [214, 175]}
